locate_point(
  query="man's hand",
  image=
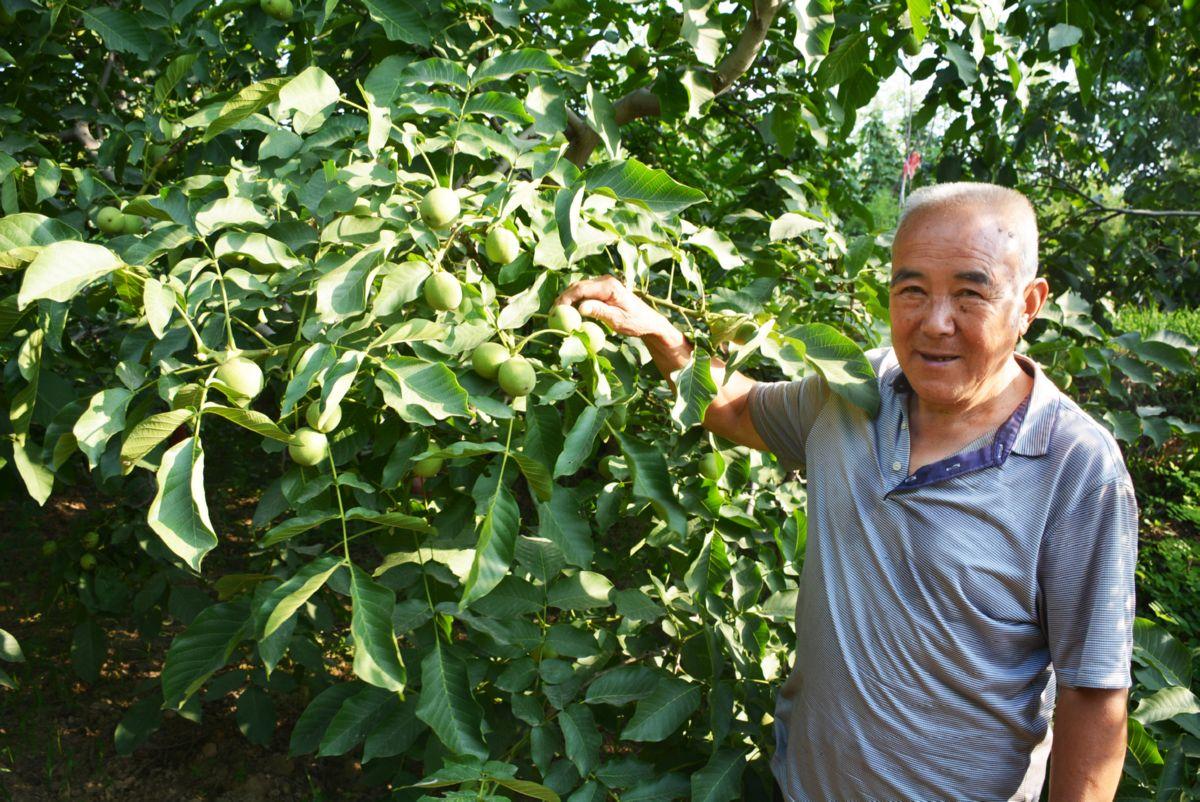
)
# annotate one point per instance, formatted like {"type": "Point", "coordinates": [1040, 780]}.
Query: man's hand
{"type": "Point", "coordinates": [610, 301]}
{"type": "Point", "coordinates": [1088, 750]}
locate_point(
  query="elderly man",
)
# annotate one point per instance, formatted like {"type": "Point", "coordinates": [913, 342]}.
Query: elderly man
{"type": "Point", "coordinates": [971, 548]}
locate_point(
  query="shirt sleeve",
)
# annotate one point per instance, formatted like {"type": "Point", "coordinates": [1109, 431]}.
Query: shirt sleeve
{"type": "Point", "coordinates": [783, 414]}
{"type": "Point", "coordinates": [1086, 588]}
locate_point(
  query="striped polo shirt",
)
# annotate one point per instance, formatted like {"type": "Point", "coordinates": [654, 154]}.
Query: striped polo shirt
{"type": "Point", "coordinates": [938, 610]}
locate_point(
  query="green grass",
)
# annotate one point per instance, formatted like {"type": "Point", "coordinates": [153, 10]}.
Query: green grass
{"type": "Point", "coordinates": [1146, 321]}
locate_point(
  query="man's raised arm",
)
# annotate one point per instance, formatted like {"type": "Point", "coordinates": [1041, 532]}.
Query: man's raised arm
{"type": "Point", "coordinates": [608, 300]}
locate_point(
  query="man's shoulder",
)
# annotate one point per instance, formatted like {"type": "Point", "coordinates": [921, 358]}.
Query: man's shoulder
{"type": "Point", "coordinates": [1085, 446]}
{"type": "Point", "coordinates": [885, 364]}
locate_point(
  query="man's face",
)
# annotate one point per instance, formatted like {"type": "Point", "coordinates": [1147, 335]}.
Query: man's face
{"type": "Point", "coordinates": [957, 304]}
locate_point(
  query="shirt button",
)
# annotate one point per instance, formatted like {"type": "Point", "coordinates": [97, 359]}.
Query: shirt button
{"type": "Point", "coordinates": [904, 425]}
{"type": "Point", "coordinates": [895, 466]}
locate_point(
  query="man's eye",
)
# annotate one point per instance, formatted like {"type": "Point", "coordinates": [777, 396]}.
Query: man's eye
{"type": "Point", "coordinates": [911, 290]}
{"type": "Point", "coordinates": [969, 294]}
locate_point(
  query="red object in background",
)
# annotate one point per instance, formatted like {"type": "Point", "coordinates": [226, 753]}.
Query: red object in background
{"type": "Point", "coordinates": [911, 164]}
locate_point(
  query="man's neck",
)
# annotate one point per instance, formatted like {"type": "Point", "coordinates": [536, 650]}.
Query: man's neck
{"type": "Point", "coordinates": [988, 410]}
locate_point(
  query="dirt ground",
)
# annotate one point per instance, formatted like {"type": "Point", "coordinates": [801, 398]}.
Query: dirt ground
{"type": "Point", "coordinates": [56, 731]}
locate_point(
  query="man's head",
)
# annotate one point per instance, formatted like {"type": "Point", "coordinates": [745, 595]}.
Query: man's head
{"type": "Point", "coordinates": [964, 289]}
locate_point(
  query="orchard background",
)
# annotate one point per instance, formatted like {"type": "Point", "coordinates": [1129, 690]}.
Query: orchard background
{"type": "Point", "coordinates": [270, 528]}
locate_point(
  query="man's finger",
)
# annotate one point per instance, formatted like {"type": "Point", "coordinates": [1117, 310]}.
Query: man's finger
{"type": "Point", "coordinates": [599, 288]}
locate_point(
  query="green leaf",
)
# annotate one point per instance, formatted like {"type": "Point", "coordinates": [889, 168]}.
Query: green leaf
{"type": "Point", "coordinates": [245, 103]}
{"type": "Point", "coordinates": [527, 788]}
{"type": "Point", "coordinates": [46, 179]}
{"type": "Point", "coordinates": [630, 180]}
{"type": "Point", "coordinates": [695, 389]}
{"type": "Point", "coordinates": [250, 419]}
{"type": "Point", "coordinates": [62, 269]}
{"type": "Point", "coordinates": [846, 59]}
{"type": "Point", "coordinates": [710, 570]}
{"type": "Point", "coordinates": [1166, 703]}
{"type": "Point", "coordinates": [394, 730]}
{"type": "Point", "coordinates": [581, 736]}
{"type": "Point", "coordinates": [704, 34]}
{"type": "Point", "coordinates": [963, 62]}
{"type": "Point", "coordinates": [842, 363]}
{"type": "Point", "coordinates": [10, 649]}
{"type": "Point", "coordinates": [228, 212]}
{"type": "Point", "coordinates": [584, 590]}
{"type": "Point", "coordinates": [376, 655]}
{"type": "Point", "coordinates": [507, 65]}
{"type": "Point", "coordinates": [421, 392]}
{"type": "Point", "coordinates": [205, 646]}
{"type": "Point", "coordinates": [446, 703]}
{"type": "Point", "coordinates": [353, 720]}
{"type": "Point", "coordinates": [1155, 647]}
{"type": "Point", "coordinates": [22, 236]}
{"type": "Point", "coordinates": [651, 481]}
{"type": "Point", "coordinates": [791, 225]}
{"type": "Point", "coordinates": [287, 598]}
{"type": "Point", "coordinates": [561, 521]}
{"type": "Point", "coordinates": [580, 440]}
{"type": "Point", "coordinates": [140, 721]}
{"type": "Point", "coordinates": [602, 118]}
{"type": "Point", "coordinates": [314, 721]}
{"type": "Point", "coordinates": [1063, 36]}
{"type": "Point", "coordinates": [402, 20]}
{"type": "Point", "coordinates": [256, 715]}
{"type": "Point", "coordinates": [435, 71]}
{"type": "Point", "coordinates": [149, 433]}
{"type": "Point", "coordinates": [261, 250]}
{"type": "Point", "coordinates": [498, 104]}
{"type": "Point", "coordinates": [89, 650]}
{"type": "Point", "coordinates": [159, 300]}
{"type": "Point", "coordinates": [176, 71]}
{"type": "Point", "coordinates": [622, 685]}
{"type": "Point", "coordinates": [309, 93]}
{"type": "Point", "coordinates": [494, 548]}
{"type": "Point", "coordinates": [918, 17]}
{"type": "Point", "coordinates": [721, 778]}
{"type": "Point", "coordinates": [535, 474]}
{"type": "Point", "coordinates": [179, 513]}
{"type": "Point", "coordinates": [1142, 747]}
{"type": "Point", "coordinates": [567, 204]}
{"type": "Point", "coordinates": [103, 418]}
{"type": "Point", "coordinates": [118, 30]}
{"type": "Point", "coordinates": [662, 712]}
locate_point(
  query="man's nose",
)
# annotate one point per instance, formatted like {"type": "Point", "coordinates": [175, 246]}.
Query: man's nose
{"type": "Point", "coordinates": [938, 320]}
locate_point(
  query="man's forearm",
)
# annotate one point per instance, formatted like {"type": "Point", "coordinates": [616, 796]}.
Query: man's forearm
{"type": "Point", "coordinates": [727, 415]}
{"type": "Point", "coordinates": [1088, 751]}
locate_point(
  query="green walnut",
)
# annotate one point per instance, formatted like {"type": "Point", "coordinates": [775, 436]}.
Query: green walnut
{"type": "Point", "coordinates": [595, 336]}
{"type": "Point", "coordinates": [428, 467]}
{"type": "Point", "coordinates": [502, 246]}
{"type": "Point", "coordinates": [308, 446]}
{"type": "Point", "coordinates": [664, 31]}
{"type": "Point", "coordinates": [442, 291]}
{"type": "Point", "coordinates": [440, 207]}
{"type": "Point", "coordinates": [110, 220]}
{"type": "Point", "coordinates": [243, 378]}
{"type": "Point", "coordinates": [637, 59]}
{"type": "Point", "coordinates": [517, 377]}
{"type": "Point", "coordinates": [49, 548]}
{"type": "Point", "coordinates": [487, 358]}
{"type": "Point", "coordinates": [323, 423]}
{"type": "Point", "coordinates": [281, 10]}
{"type": "Point", "coordinates": [90, 540]}
{"type": "Point", "coordinates": [564, 317]}
{"type": "Point", "coordinates": [87, 562]}
{"type": "Point", "coordinates": [910, 44]}
{"type": "Point", "coordinates": [131, 224]}
{"type": "Point", "coordinates": [712, 466]}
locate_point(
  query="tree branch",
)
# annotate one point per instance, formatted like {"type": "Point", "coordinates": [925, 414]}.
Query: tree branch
{"type": "Point", "coordinates": [644, 103]}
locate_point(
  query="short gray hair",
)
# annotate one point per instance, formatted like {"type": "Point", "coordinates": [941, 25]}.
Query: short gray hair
{"type": "Point", "coordinates": [1015, 208]}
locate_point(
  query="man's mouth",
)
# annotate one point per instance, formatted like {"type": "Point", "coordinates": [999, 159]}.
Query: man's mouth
{"type": "Point", "coordinates": [937, 359]}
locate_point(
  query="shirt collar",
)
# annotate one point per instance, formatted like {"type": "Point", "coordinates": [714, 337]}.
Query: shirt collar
{"type": "Point", "coordinates": [1036, 421]}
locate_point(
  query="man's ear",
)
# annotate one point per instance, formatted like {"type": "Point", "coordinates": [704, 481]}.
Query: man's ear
{"type": "Point", "coordinates": [1036, 293]}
